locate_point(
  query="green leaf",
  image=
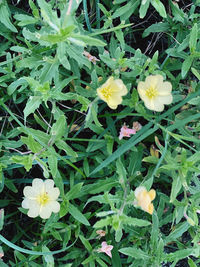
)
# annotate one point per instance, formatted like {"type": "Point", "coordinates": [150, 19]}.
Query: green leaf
{"type": "Point", "coordinates": [143, 8]}
{"type": "Point", "coordinates": [58, 128]}
{"type": "Point", "coordinates": [32, 104]}
{"type": "Point", "coordinates": [103, 222]}
{"type": "Point", "coordinates": [25, 20]}
{"type": "Point", "coordinates": [26, 161]}
{"type": "Point", "coordinates": [193, 38]}
{"type": "Point", "coordinates": [49, 15]}
{"type": "Point", "coordinates": [48, 258]}
{"type": "Point", "coordinates": [53, 164]}
{"type": "Point", "coordinates": [61, 53]}
{"type": "Point", "coordinates": [34, 146]}
{"type": "Point", "coordinates": [64, 146]}
{"type": "Point", "coordinates": [176, 187]}
{"type": "Point", "coordinates": [78, 215]}
{"type": "Point", "coordinates": [178, 14]}
{"type": "Point", "coordinates": [1, 218]}
{"type": "Point", "coordinates": [196, 73]}
{"type": "Point", "coordinates": [178, 255]}
{"type": "Point", "coordinates": [179, 230]}
{"type": "Point", "coordinates": [5, 16]}
{"type": "Point", "coordinates": [157, 27]}
{"type": "Point", "coordinates": [86, 243]}
{"type": "Point", "coordinates": [134, 221]}
{"type": "Point", "coordinates": [134, 253]}
{"type": "Point", "coordinates": [124, 9]}
{"type": "Point", "coordinates": [186, 66]}
{"type": "Point", "coordinates": [191, 263]}
{"type": "Point", "coordinates": [160, 8]}
{"type": "Point", "coordinates": [74, 192]}
{"type": "Point", "coordinates": [88, 40]}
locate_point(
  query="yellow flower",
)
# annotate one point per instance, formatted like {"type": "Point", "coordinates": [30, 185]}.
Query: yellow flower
{"type": "Point", "coordinates": [144, 198]}
{"type": "Point", "coordinates": [155, 93]}
{"type": "Point", "coordinates": [112, 91]}
{"type": "Point", "coordinates": [40, 198]}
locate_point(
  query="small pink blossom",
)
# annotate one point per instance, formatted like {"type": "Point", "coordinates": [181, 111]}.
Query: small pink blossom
{"type": "Point", "coordinates": [106, 249]}
{"type": "Point", "coordinates": [91, 58]}
{"type": "Point", "coordinates": [125, 131]}
{"type": "Point", "coordinates": [101, 233]}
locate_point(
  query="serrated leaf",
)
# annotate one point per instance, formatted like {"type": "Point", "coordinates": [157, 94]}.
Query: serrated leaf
{"type": "Point", "coordinates": [134, 221]}
{"type": "Point", "coordinates": [32, 104]}
{"type": "Point", "coordinates": [25, 20]}
{"type": "Point", "coordinates": [186, 65]}
{"type": "Point", "coordinates": [193, 38]}
{"type": "Point", "coordinates": [134, 253]}
{"type": "Point", "coordinates": [58, 128]}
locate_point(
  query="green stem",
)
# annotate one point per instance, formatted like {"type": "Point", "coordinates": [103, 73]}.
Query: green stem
{"type": "Point", "coordinates": [86, 15]}
{"type": "Point", "coordinates": [31, 252]}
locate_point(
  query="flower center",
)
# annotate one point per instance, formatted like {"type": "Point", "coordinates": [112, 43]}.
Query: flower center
{"type": "Point", "coordinates": [151, 92]}
{"type": "Point", "coordinates": [43, 199]}
{"type": "Point", "coordinates": [106, 92]}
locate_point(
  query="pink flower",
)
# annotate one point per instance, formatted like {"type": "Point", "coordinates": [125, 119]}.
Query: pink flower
{"type": "Point", "coordinates": [125, 131]}
{"type": "Point", "coordinates": [106, 249]}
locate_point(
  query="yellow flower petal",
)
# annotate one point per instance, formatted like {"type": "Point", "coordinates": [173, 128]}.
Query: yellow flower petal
{"type": "Point", "coordinates": [112, 91]}
{"type": "Point", "coordinates": [144, 198]}
{"type": "Point", "coordinates": [40, 198]}
{"type": "Point", "coordinates": [155, 93]}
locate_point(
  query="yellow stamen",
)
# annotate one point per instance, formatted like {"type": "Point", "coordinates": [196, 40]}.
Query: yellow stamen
{"type": "Point", "coordinates": [151, 92]}
{"type": "Point", "coordinates": [43, 199]}
{"type": "Point", "coordinates": [106, 92]}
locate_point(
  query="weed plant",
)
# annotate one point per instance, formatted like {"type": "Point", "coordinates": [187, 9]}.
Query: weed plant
{"type": "Point", "coordinates": [99, 133]}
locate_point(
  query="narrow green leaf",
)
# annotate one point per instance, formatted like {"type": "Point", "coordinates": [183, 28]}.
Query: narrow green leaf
{"type": "Point", "coordinates": [176, 187]}
{"type": "Point", "coordinates": [160, 8]}
{"type": "Point", "coordinates": [78, 215]}
{"type": "Point", "coordinates": [143, 8]}
{"type": "Point", "coordinates": [157, 27]}
{"type": "Point", "coordinates": [186, 65]}
{"type": "Point", "coordinates": [193, 38]}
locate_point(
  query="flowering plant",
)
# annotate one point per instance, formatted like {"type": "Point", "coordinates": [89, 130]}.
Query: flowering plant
{"type": "Point", "coordinates": [112, 91]}
{"type": "Point", "coordinates": [144, 198]}
{"type": "Point", "coordinates": [155, 93]}
{"type": "Point", "coordinates": [40, 198]}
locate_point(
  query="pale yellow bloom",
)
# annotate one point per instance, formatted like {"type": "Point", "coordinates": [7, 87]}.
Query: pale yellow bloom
{"type": "Point", "coordinates": [112, 91]}
{"type": "Point", "coordinates": [144, 198]}
{"type": "Point", "coordinates": [40, 198]}
{"type": "Point", "coordinates": [155, 93]}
